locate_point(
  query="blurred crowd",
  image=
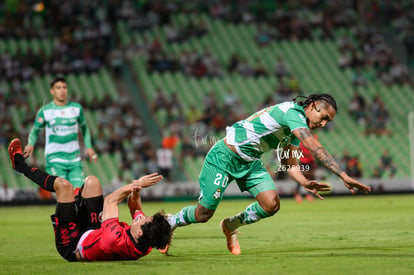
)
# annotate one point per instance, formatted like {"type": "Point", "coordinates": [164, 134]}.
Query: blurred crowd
{"type": "Point", "coordinates": [398, 15]}
{"type": "Point", "coordinates": [374, 116]}
{"type": "Point", "coordinates": [362, 48]}
{"type": "Point", "coordinates": [353, 166]}
{"type": "Point", "coordinates": [196, 129]}
{"type": "Point", "coordinates": [121, 131]}
{"type": "Point", "coordinates": [10, 101]}
{"type": "Point", "coordinates": [370, 58]}
{"type": "Point", "coordinates": [283, 21]}
{"type": "Point", "coordinates": [80, 37]}
{"type": "Point", "coordinates": [287, 20]}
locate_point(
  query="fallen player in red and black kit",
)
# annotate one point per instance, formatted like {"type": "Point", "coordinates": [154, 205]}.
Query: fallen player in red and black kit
{"type": "Point", "coordinates": [79, 233]}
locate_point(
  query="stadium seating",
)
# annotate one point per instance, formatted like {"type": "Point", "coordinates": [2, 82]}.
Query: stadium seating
{"type": "Point", "coordinates": [315, 64]}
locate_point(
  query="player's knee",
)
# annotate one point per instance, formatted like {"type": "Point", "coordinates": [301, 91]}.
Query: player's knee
{"type": "Point", "coordinates": [62, 185]}
{"type": "Point", "coordinates": [92, 184]}
{"type": "Point", "coordinates": [203, 214]}
{"type": "Point", "coordinates": [92, 181]}
{"type": "Point", "coordinates": [272, 206]}
{"type": "Point", "coordinates": [276, 207]}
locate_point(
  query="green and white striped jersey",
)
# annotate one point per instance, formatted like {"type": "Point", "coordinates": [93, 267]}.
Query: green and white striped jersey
{"type": "Point", "coordinates": [61, 134]}
{"type": "Point", "coordinates": [266, 129]}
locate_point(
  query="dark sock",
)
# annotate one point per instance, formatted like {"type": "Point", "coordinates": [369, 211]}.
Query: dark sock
{"type": "Point", "coordinates": [19, 163]}
{"type": "Point", "coordinates": [41, 178]}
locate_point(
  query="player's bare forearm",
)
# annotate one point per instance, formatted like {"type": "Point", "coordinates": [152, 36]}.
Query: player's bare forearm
{"type": "Point", "coordinates": [327, 160]}
{"type": "Point", "coordinates": [119, 194]}
{"type": "Point", "coordinates": [110, 207]}
{"type": "Point", "coordinates": [134, 202]}
{"type": "Point", "coordinates": [317, 150]}
{"type": "Point", "coordinates": [297, 176]}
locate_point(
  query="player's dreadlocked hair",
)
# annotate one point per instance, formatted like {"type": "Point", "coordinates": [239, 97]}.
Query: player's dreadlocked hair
{"type": "Point", "coordinates": [315, 97]}
{"type": "Point", "coordinates": [156, 233]}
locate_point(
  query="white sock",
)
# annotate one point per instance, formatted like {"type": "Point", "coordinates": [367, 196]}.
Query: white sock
{"type": "Point", "coordinates": [234, 222]}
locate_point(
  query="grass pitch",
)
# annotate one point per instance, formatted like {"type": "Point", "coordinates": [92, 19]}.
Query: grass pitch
{"type": "Point", "coordinates": [340, 235]}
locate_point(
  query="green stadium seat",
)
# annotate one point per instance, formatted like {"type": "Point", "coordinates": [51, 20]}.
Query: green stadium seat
{"type": "Point", "coordinates": [74, 86]}
{"type": "Point", "coordinates": [34, 45]}
{"type": "Point", "coordinates": [22, 45]}
{"type": "Point", "coordinates": [123, 33]}
{"type": "Point", "coordinates": [108, 83]}
{"type": "Point", "coordinates": [8, 174]}
{"type": "Point", "coordinates": [11, 44]}
{"type": "Point", "coordinates": [91, 121]}
{"type": "Point", "coordinates": [85, 87]}
{"type": "Point", "coordinates": [3, 46]}
{"type": "Point", "coordinates": [97, 87]}
{"type": "Point", "coordinates": [109, 166]}
{"type": "Point", "coordinates": [40, 90]}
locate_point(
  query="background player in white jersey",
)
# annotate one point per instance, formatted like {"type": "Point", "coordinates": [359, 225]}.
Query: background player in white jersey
{"type": "Point", "coordinates": [237, 156]}
{"type": "Point", "coordinates": [62, 120]}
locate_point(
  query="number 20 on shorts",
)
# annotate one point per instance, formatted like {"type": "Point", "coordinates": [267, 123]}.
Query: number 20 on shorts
{"type": "Point", "coordinates": [219, 178]}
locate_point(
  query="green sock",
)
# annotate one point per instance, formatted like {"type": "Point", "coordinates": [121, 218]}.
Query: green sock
{"type": "Point", "coordinates": [253, 213]}
{"type": "Point", "coordinates": [184, 217]}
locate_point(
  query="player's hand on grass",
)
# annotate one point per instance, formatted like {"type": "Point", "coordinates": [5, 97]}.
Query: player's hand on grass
{"type": "Point", "coordinates": [28, 151]}
{"type": "Point", "coordinates": [314, 187]}
{"type": "Point", "coordinates": [146, 181]}
{"type": "Point", "coordinates": [353, 184]}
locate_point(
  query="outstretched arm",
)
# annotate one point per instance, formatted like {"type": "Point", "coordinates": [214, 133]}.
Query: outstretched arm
{"type": "Point", "coordinates": [111, 201]}
{"type": "Point", "coordinates": [320, 153]}
{"type": "Point", "coordinates": [317, 150]}
{"type": "Point", "coordinates": [134, 198]}
{"type": "Point", "coordinates": [110, 209]}
{"type": "Point", "coordinates": [296, 174]}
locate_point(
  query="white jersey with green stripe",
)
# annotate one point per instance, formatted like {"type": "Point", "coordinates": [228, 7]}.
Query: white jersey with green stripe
{"type": "Point", "coordinates": [61, 125]}
{"type": "Point", "coordinates": [269, 128]}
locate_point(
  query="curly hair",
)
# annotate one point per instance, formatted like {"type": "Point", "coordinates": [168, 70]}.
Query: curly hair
{"type": "Point", "coordinates": [315, 97]}
{"type": "Point", "coordinates": [156, 233]}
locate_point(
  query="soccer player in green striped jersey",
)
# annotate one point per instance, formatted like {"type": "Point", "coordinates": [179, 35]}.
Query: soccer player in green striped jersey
{"type": "Point", "coordinates": [237, 157]}
{"type": "Point", "coordinates": [62, 120]}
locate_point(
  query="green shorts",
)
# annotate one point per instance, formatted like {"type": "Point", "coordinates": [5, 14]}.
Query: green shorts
{"type": "Point", "coordinates": [72, 172]}
{"type": "Point", "coordinates": [221, 166]}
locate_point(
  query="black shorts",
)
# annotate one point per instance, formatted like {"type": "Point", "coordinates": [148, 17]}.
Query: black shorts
{"type": "Point", "coordinates": [69, 231]}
